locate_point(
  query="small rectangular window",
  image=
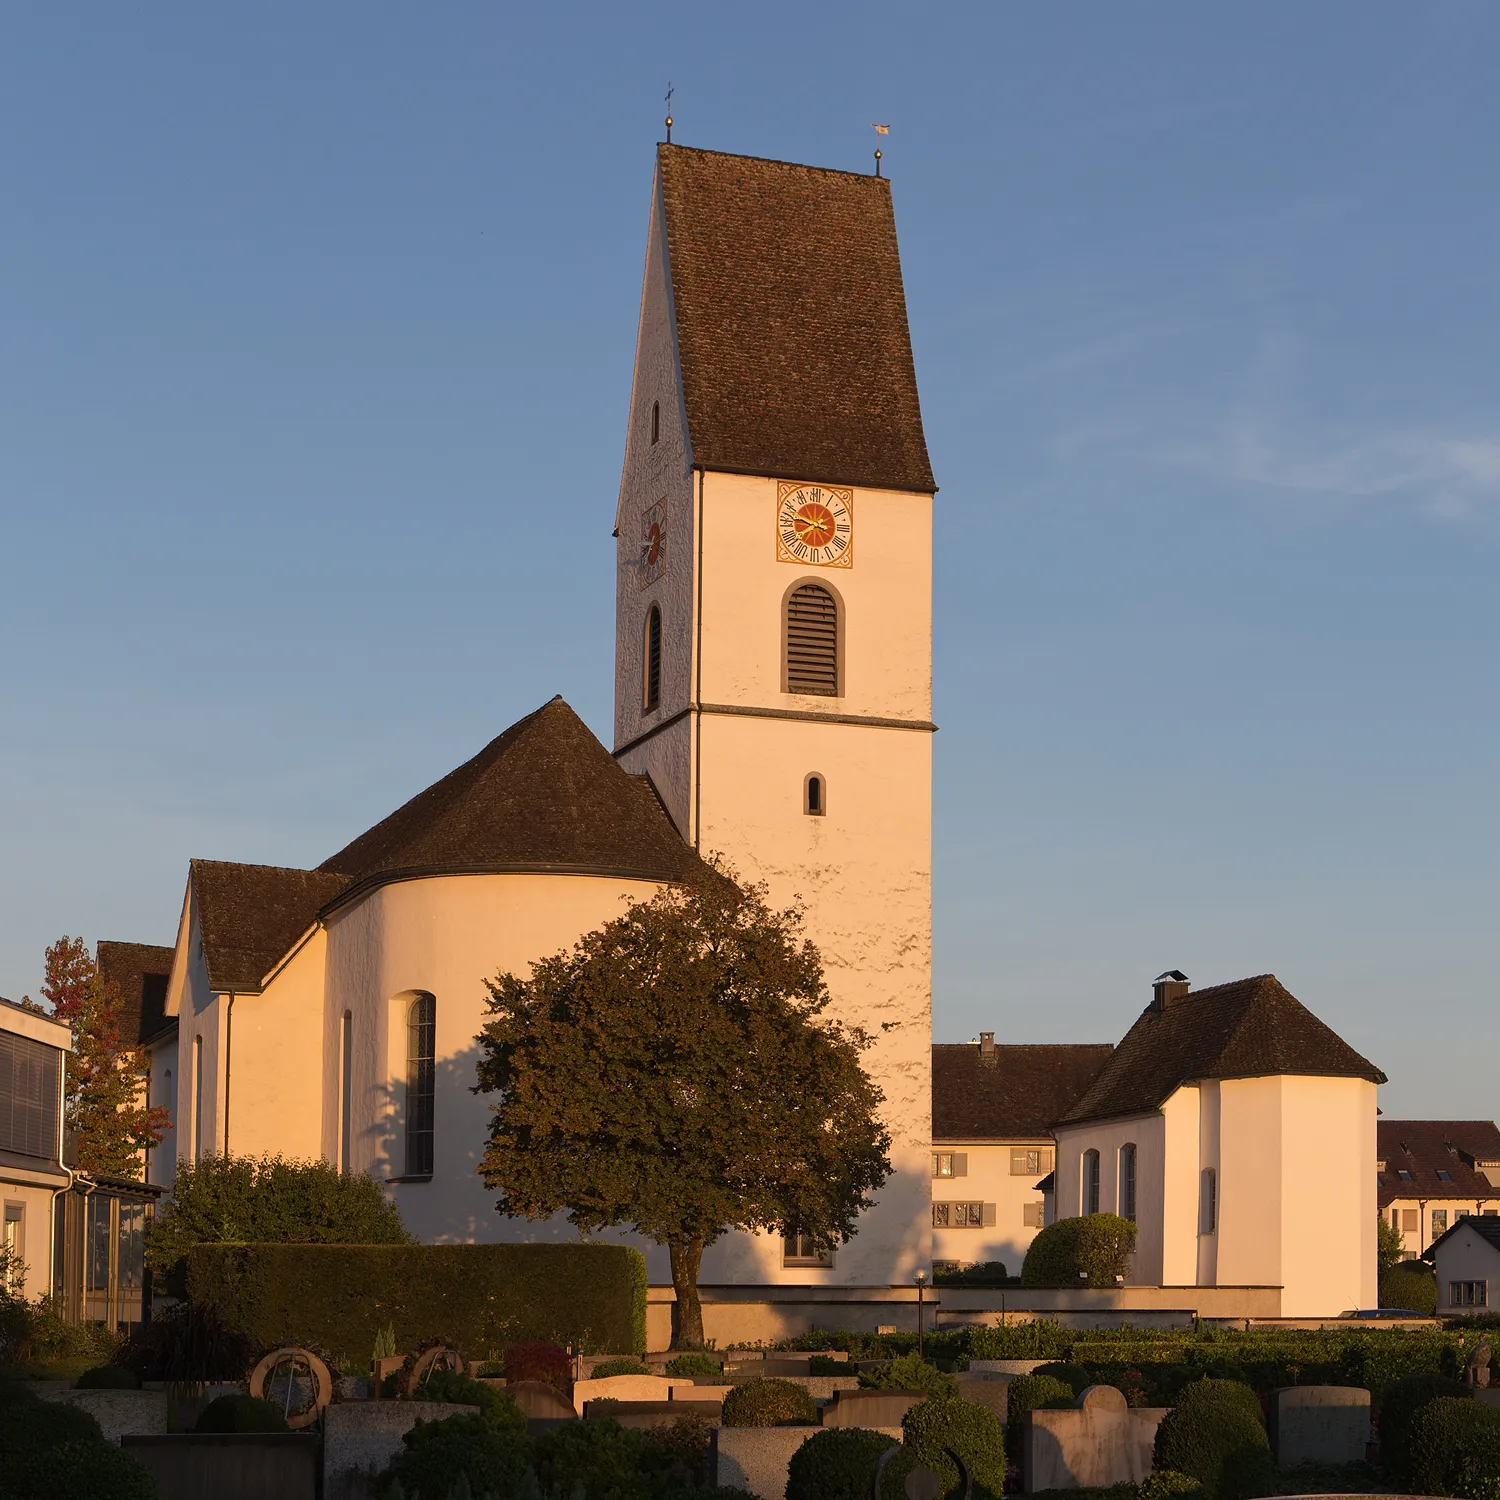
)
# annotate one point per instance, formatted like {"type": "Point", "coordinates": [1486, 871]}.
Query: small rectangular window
{"type": "Point", "coordinates": [1439, 1222]}
{"type": "Point", "coordinates": [968, 1215]}
{"type": "Point", "coordinates": [1031, 1215]}
{"type": "Point", "coordinates": [1030, 1161]}
{"type": "Point", "coordinates": [942, 1163]}
{"type": "Point", "coordinates": [1410, 1220]}
{"type": "Point", "coordinates": [1208, 1207]}
{"type": "Point", "coordinates": [800, 1250]}
{"type": "Point", "coordinates": [939, 1215]}
{"type": "Point", "coordinates": [1444, 1176]}
{"type": "Point", "coordinates": [15, 1246]}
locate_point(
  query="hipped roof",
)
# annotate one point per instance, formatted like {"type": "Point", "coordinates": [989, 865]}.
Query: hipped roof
{"type": "Point", "coordinates": [1426, 1147]}
{"type": "Point", "coordinates": [791, 321]}
{"type": "Point", "coordinates": [1013, 1095]}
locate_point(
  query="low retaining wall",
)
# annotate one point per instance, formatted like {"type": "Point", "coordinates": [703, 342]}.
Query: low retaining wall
{"type": "Point", "coordinates": [1326, 1424]}
{"type": "Point", "coordinates": [360, 1438]}
{"type": "Point", "coordinates": [230, 1466]}
{"type": "Point", "coordinates": [1102, 1441]}
{"type": "Point", "coordinates": [120, 1413]}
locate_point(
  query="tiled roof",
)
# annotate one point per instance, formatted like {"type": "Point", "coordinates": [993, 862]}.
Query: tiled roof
{"type": "Point", "coordinates": [1013, 1093]}
{"type": "Point", "coordinates": [250, 915]}
{"type": "Point", "coordinates": [1487, 1227]}
{"type": "Point", "coordinates": [545, 795]}
{"type": "Point", "coordinates": [1251, 1028]}
{"type": "Point", "coordinates": [791, 321]}
{"type": "Point", "coordinates": [140, 971]}
{"type": "Point", "coordinates": [1423, 1148]}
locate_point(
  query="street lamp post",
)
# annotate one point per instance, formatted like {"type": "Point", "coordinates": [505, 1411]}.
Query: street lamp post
{"type": "Point", "coordinates": [921, 1280]}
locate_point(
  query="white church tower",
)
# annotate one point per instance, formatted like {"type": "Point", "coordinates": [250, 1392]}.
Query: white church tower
{"type": "Point", "coordinates": [774, 611]}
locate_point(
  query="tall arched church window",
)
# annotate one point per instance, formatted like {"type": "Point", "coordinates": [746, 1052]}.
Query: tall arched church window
{"type": "Point", "coordinates": [651, 686]}
{"type": "Point", "coordinates": [655, 420]}
{"type": "Point", "coordinates": [1127, 1180]}
{"type": "Point", "coordinates": [812, 641]}
{"type": "Point", "coordinates": [421, 1059]}
{"type": "Point", "coordinates": [1091, 1182]}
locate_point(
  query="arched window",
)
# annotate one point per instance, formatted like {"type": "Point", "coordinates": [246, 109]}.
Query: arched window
{"type": "Point", "coordinates": [655, 420]}
{"type": "Point", "coordinates": [1208, 1202]}
{"type": "Point", "coordinates": [421, 1056]}
{"type": "Point", "coordinates": [346, 1090]}
{"type": "Point", "coordinates": [814, 795]}
{"type": "Point", "coordinates": [1127, 1180]}
{"type": "Point", "coordinates": [1091, 1182]}
{"type": "Point", "coordinates": [651, 687]}
{"type": "Point", "coordinates": [812, 641]}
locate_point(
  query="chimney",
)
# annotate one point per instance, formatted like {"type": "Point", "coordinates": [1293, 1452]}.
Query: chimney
{"type": "Point", "coordinates": [1168, 989]}
{"type": "Point", "coordinates": [987, 1049]}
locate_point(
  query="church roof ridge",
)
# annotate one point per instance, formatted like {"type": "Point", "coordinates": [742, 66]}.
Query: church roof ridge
{"type": "Point", "coordinates": [663, 147]}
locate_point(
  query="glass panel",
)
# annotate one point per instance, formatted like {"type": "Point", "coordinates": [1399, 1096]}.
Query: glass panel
{"type": "Point", "coordinates": [132, 1246]}
{"type": "Point", "coordinates": [96, 1244]}
{"type": "Point", "coordinates": [939, 1215]}
{"type": "Point", "coordinates": [421, 1045]}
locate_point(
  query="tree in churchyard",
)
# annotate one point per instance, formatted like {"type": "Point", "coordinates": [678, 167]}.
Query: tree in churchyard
{"type": "Point", "coordinates": [675, 1072]}
{"type": "Point", "coordinates": [105, 1093]}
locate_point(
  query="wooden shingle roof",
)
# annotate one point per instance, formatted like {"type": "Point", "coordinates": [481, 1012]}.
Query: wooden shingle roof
{"type": "Point", "coordinates": [1251, 1028]}
{"type": "Point", "coordinates": [791, 321]}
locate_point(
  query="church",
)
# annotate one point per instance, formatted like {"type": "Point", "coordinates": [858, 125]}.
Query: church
{"type": "Point", "coordinates": [773, 704]}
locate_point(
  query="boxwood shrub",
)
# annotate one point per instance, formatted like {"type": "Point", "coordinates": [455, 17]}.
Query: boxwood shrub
{"type": "Point", "coordinates": [435, 1455]}
{"type": "Point", "coordinates": [1031, 1393]}
{"type": "Point", "coordinates": [695, 1366]}
{"type": "Point", "coordinates": [769, 1403]}
{"type": "Point", "coordinates": [81, 1469]}
{"type": "Point", "coordinates": [1411, 1285]}
{"type": "Point", "coordinates": [1090, 1251]}
{"type": "Point", "coordinates": [1455, 1449]}
{"type": "Point", "coordinates": [497, 1407]}
{"type": "Point", "coordinates": [482, 1296]}
{"type": "Point", "coordinates": [909, 1373]}
{"type": "Point", "coordinates": [1399, 1406]}
{"type": "Point", "coordinates": [837, 1463]}
{"type": "Point", "coordinates": [240, 1414]}
{"type": "Point", "coordinates": [971, 1430]}
{"type": "Point", "coordinates": [108, 1378]}
{"type": "Point", "coordinates": [1216, 1434]}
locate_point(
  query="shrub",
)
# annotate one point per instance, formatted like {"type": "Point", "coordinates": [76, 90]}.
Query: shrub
{"type": "Point", "coordinates": [769, 1403]}
{"type": "Point", "coordinates": [186, 1344]}
{"type": "Point", "coordinates": [909, 1373]}
{"type": "Point", "coordinates": [1075, 1377]}
{"type": "Point", "coordinates": [436, 1455]}
{"type": "Point", "coordinates": [240, 1414]}
{"type": "Point", "coordinates": [1403, 1400]}
{"type": "Point", "coordinates": [1029, 1393]}
{"type": "Point", "coordinates": [108, 1378]}
{"type": "Point", "coordinates": [1455, 1448]}
{"type": "Point", "coordinates": [1091, 1251]}
{"type": "Point", "coordinates": [682, 1446]}
{"type": "Point", "coordinates": [1412, 1285]}
{"type": "Point", "coordinates": [495, 1406]}
{"type": "Point", "coordinates": [1216, 1435]}
{"type": "Point", "coordinates": [539, 1360]}
{"type": "Point", "coordinates": [54, 1338]}
{"type": "Point", "coordinates": [821, 1364]}
{"type": "Point", "coordinates": [837, 1463]}
{"type": "Point", "coordinates": [981, 1273]}
{"type": "Point", "coordinates": [80, 1469]}
{"type": "Point", "coordinates": [602, 1459]}
{"type": "Point", "coordinates": [695, 1366]}
{"type": "Point", "coordinates": [29, 1425]}
{"type": "Point", "coordinates": [1161, 1483]}
{"type": "Point", "coordinates": [619, 1367]}
{"type": "Point", "coordinates": [971, 1430]}
{"type": "Point", "coordinates": [485, 1296]}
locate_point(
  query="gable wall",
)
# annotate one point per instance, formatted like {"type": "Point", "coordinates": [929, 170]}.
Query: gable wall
{"type": "Point", "coordinates": [1182, 1141]}
{"type": "Point", "coordinates": [1467, 1256]}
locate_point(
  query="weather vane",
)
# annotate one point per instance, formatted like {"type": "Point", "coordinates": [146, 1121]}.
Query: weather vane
{"type": "Point", "coordinates": [879, 130]}
{"type": "Point", "coordinates": [670, 92]}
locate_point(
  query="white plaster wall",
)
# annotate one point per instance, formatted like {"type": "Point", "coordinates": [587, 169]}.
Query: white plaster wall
{"type": "Point", "coordinates": [1107, 1137]}
{"type": "Point", "coordinates": [199, 1014]}
{"type": "Point", "coordinates": [36, 1233]}
{"type": "Point", "coordinates": [1466, 1256]}
{"type": "Point", "coordinates": [988, 1179]}
{"type": "Point", "coordinates": [1208, 1161]}
{"type": "Point", "coordinates": [1415, 1241]}
{"type": "Point", "coordinates": [1180, 1166]}
{"type": "Point", "coordinates": [1251, 1155]}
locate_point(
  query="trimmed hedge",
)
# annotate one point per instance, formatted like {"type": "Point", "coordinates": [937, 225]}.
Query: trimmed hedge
{"type": "Point", "coordinates": [108, 1378]}
{"type": "Point", "coordinates": [1030, 1393]}
{"type": "Point", "coordinates": [1216, 1434]}
{"type": "Point", "coordinates": [1090, 1251]}
{"type": "Point", "coordinates": [837, 1463]}
{"type": "Point", "coordinates": [1404, 1399]}
{"type": "Point", "coordinates": [79, 1470]}
{"type": "Point", "coordinates": [1455, 1449]}
{"type": "Point", "coordinates": [695, 1366]}
{"type": "Point", "coordinates": [972, 1431]}
{"type": "Point", "coordinates": [482, 1296]}
{"type": "Point", "coordinates": [240, 1414]}
{"type": "Point", "coordinates": [769, 1403]}
{"type": "Point", "coordinates": [1410, 1285]}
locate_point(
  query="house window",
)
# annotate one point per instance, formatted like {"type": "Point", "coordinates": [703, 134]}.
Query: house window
{"type": "Point", "coordinates": [1127, 1180]}
{"type": "Point", "coordinates": [968, 1215]}
{"type": "Point", "coordinates": [1410, 1220]}
{"type": "Point", "coordinates": [421, 1064]}
{"type": "Point", "coordinates": [950, 1163]}
{"type": "Point", "coordinates": [1395, 1218]}
{"type": "Point", "coordinates": [1439, 1222]}
{"type": "Point", "coordinates": [655, 420]}
{"type": "Point", "coordinates": [14, 1246]}
{"type": "Point", "coordinates": [939, 1215]}
{"type": "Point", "coordinates": [812, 641]}
{"type": "Point", "coordinates": [1091, 1182]}
{"type": "Point", "coordinates": [1208, 1202]}
{"type": "Point", "coordinates": [1031, 1215]}
{"type": "Point", "coordinates": [814, 796]}
{"type": "Point", "coordinates": [651, 688]}
{"type": "Point", "coordinates": [1444, 1176]}
{"type": "Point", "coordinates": [346, 1081]}
{"type": "Point", "coordinates": [1403, 1174]}
{"type": "Point", "coordinates": [197, 1098]}
{"type": "Point", "coordinates": [800, 1250]}
{"type": "Point", "coordinates": [30, 1074]}
{"type": "Point", "coordinates": [1030, 1161]}
{"type": "Point", "coordinates": [132, 1251]}
{"type": "Point", "coordinates": [1468, 1294]}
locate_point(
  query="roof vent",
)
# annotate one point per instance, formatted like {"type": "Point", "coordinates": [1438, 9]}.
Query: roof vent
{"type": "Point", "coordinates": [1167, 989]}
{"type": "Point", "coordinates": [987, 1049]}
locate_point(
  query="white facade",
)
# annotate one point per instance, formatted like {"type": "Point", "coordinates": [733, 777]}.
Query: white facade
{"type": "Point", "coordinates": [1467, 1262]}
{"type": "Point", "coordinates": [999, 1178]}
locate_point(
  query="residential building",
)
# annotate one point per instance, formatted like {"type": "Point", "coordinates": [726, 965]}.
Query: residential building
{"type": "Point", "coordinates": [1432, 1173]}
{"type": "Point", "coordinates": [992, 1143]}
{"type": "Point", "coordinates": [139, 973]}
{"type": "Point", "coordinates": [1199, 1126]}
{"type": "Point", "coordinates": [1466, 1258]}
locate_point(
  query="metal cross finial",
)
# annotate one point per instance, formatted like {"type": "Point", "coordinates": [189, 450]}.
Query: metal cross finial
{"type": "Point", "coordinates": [670, 92]}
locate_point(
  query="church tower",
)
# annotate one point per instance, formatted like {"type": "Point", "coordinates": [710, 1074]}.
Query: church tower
{"type": "Point", "coordinates": [774, 611]}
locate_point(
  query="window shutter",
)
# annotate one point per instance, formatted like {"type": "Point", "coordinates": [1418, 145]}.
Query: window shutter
{"type": "Point", "coordinates": [960, 1163]}
{"type": "Point", "coordinates": [989, 1215]}
{"type": "Point", "coordinates": [812, 641]}
{"type": "Point", "coordinates": [29, 1080]}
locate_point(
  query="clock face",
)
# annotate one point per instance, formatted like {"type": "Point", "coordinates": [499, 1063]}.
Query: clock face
{"type": "Point", "coordinates": [815, 525]}
{"type": "Point", "coordinates": [653, 543]}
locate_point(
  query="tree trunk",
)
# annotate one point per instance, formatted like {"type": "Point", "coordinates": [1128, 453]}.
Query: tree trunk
{"type": "Point", "coordinates": [687, 1325]}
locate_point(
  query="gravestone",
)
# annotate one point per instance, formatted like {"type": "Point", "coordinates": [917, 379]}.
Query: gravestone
{"type": "Point", "coordinates": [622, 1388]}
{"type": "Point", "coordinates": [540, 1399]}
{"type": "Point", "coordinates": [1324, 1424]}
{"type": "Point", "coordinates": [994, 1395]}
{"type": "Point", "coordinates": [360, 1438]}
{"type": "Point", "coordinates": [1100, 1441]}
{"type": "Point", "coordinates": [879, 1409]}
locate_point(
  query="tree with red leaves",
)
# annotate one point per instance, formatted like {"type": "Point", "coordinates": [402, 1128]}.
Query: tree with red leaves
{"type": "Point", "coordinates": [105, 1097]}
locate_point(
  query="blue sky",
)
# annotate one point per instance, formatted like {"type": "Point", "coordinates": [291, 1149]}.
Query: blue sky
{"type": "Point", "coordinates": [315, 337]}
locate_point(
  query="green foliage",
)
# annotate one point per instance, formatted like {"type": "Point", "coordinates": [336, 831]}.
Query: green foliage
{"type": "Point", "coordinates": [1160, 1484]}
{"type": "Point", "coordinates": [484, 1296]}
{"type": "Point", "coordinates": [610, 1367]}
{"type": "Point", "coordinates": [267, 1200]}
{"type": "Point", "coordinates": [971, 1430]}
{"type": "Point", "coordinates": [603, 1459]}
{"type": "Point", "coordinates": [53, 1338]}
{"type": "Point", "coordinates": [1402, 1401]}
{"type": "Point", "coordinates": [189, 1342]}
{"type": "Point", "coordinates": [837, 1463]}
{"type": "Point", "coordinates": [384, 1346]}
{"type": "Point", "coordinates": [1030, 1393]}
{"type": "Point", "coordinates": [1216, 1435]}
{"type": "Point", "coordinates": [240, 1414]}
{"type": "Point", "coordinates": [108, 1378]}
{"type": "Point", "coordinates": [683, 1446]}
{"type": "Point", "coordinates": [28, 1425]}
{"type": "Point", "coordinates": [696, 1366]}
{"type": "Point", "coordinates": [539, 1359]}
{"type": "Point", "coordinates": [981, 1273]}
{"type": "Point", "coordinates": [1093, 1251]}
{"type": "Point", "coordinates": [909, 1373]}
{"type": "Point", "coordinates": [1041, 1339]}
{"type": "Point", "coordinates": [1390, 1246]}
{"type": "Point", "coordinates": [495, 1406]}
{"type": "Point", "coordinates": [1075, 1377]}
{"type": "Point", "coordinates": [769, 1403]}
{"type": "Point", "coordinates": [1454, 1448]}
{"type": "Point", "coordinates": [79, 1470]}
{"type": "Point", "coordinates": [821, 1364]}
{"type": "Point", "coordinates": [676, 1072]}
{"type": "Point", "coordinates": [1413, 1285]}
{"type": "Point", "coordinates": [435, 1456]}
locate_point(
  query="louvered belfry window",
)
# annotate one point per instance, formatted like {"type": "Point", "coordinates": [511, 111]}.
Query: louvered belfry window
{"type": "Point", "coordinates": [812, 641]}
{"type": "Point", "coordinates": [652, 685]}
{"type": "Point", "coordinates": [29, 1079]}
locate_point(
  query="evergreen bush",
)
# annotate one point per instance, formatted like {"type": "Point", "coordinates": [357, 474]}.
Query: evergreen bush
{"type": "Point", "coordinates": [80, 1469]}
{"type": "Point", "coordinates": [695, 1366]}
{"type": "Point", "coordinates": [497, 1407]}
{"type": "Point", "coordinates": [435, 1455]}
{"type": "Point", "coordinates": [1399, 1406]}
{"type": "Point", "coordinates": [1455, 1449]}
{"type": "Point", "coordinates": [1030, 1393]}
{"type": "Point", "coordinates": [837, 1463]}
{"type": "Point", "coordinates": [602, 1460]}
{"type": "Point", "coordinates": [27, 1424]}
{"type": "Point", "coordinates": [821, 1364]}
{"type": "Point", "coordinates": [769, 1403]}
{"type": "Point", "coordinates": [1160, 1484]}
{"type": "Point", "coordinates": [1075, 1377]}
{"type": "Point", "coordinates": [1216, 1434]}
{"type": "Point", "coordinates": [1094, 1251]}
{"type": "Point", "coordinates": [972, 1431]}
{"type": "Point", "coordinates": [240, 1414]}
{"type": "Point", "coordinates": [108, 1378]}
{"type": "Point", "coordinates": [1411, 1285]}
{"type": "Point", "coordinates": [619, 1367]}
{"type": "Point", "coordinates": [909, 1373]}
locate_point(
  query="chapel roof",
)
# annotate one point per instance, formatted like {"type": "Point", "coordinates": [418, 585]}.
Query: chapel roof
{"type": "Point", "coordinates": [140, 972]}
{"type": "Point", "coordinates": [1424, 1148]}
{"type": "Point", "coordinates": [791, 321]}
{"type": "Point", "coordinates": [1250, 1028]}
{"type": "Point", "coordinates": [1009, 1092]}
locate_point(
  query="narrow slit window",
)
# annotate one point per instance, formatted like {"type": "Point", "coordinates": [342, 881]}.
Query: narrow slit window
{"type": "Point", "coordinates": [812, 641]}
{"type": "Point", "coordinates": [815, 796]}
{"type": "Point", "coordinates": [1209, 1202]}
{"type": "Point", "coordinates": [421, 1058]}
{"type": "Point", "coordinates": [1091, 1182]}
{"type": "Point", "coordinates": [655, 420]}
{"type": "Point", "coordinates": [651, 694]}
{"type": "Point", "coordinates": [197, 1100]}
{"type": "Point", "coordinates": [1127, 1181]}
{"type": "Point", "coordinates": [346, 1091]}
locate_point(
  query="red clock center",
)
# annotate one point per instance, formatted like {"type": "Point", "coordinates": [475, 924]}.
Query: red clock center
{"type": "Point", "coordinates": [814, 525]}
